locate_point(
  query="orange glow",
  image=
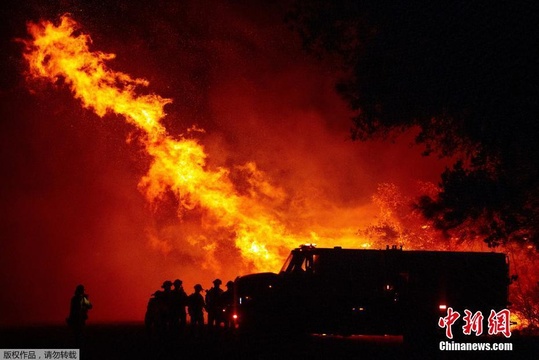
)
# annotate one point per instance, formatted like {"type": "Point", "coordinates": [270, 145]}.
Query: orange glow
{"type": "Point", "coordinates": [178, 165]}
{"type": "Point", "coordinates": [264, 219]}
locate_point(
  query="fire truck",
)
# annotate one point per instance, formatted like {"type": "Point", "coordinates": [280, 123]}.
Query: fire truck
{"type": "Point", "coordinates": [362, 291]}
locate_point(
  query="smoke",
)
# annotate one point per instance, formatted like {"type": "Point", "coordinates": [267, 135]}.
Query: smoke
{"type": "Point", "coordinates": [270, 115]}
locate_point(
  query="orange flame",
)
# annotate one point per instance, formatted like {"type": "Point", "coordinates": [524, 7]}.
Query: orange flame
{"type": "Point", "coordinates": [178, 165]}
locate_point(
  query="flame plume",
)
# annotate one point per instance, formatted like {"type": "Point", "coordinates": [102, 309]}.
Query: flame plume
{"type": "Point", "coordinates": [178, 165]}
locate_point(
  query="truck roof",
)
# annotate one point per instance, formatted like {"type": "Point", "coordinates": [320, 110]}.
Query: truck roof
{"type": "Point", "coordinates": [338, 249]}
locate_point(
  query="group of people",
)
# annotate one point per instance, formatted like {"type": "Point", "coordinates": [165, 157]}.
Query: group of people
{"type": "Point", "coordinates": [168, 308]}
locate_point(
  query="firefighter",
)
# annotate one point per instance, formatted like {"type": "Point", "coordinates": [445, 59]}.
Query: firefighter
{"type": "Point", "coordinates": [214, 305]}
{"type": "Point", "coordinates": [195, 308]}
{"type": "Point", "coordinates": [163, 303]}
{"type": "Point", "coordinates": [178, 304]}
{"type": "Point", "coordinates": [227, 301]}
{"type": "Point", "coordinates": [78, 313]}
{"type": "Point", "coordinates": [151, 318]}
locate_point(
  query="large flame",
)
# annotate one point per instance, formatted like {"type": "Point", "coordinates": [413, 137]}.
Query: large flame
{"type": "Point", "coordinates": [178, 164]}
{"type": "Point", "coordinates": [262, 232]}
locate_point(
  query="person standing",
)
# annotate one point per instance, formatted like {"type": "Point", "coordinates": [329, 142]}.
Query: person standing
{"type": "Point", "coordinates": [195, 308]}
{"type": "Point", "coordinates": [78, 313]}
{"type": "Point", "coordinates": [164, 300]}
{"type": "Point", "coordinates": [152, 316]}
{"type": "Point", "coordinates": [178, 304]}
{"type": "Point", "coordinates": [227, 301]}
{"type": "Point", "coordinates": [214, 305]}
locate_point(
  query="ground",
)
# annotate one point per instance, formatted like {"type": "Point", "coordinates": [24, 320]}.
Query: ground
{"type": "Point", "coordinates": [130, 341]}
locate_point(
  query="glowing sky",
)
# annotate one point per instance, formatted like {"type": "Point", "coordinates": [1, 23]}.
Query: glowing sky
{"type": "Point", "coordinates": [71, 208]}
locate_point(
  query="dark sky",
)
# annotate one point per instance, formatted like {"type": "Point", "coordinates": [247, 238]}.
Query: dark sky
{"type": "Point", "coordinates": [70, 209]}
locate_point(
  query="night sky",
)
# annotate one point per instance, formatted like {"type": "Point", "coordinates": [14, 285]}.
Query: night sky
{"type": "Point", "coordinates": [71, 211]}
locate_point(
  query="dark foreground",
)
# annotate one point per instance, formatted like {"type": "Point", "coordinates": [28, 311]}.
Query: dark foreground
{"type": "Point", "coordinates": [130, 341]}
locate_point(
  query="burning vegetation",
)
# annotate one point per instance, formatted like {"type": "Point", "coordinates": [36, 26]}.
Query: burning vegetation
{"type": "Point", "coordinates": [239, 204]}
{"type": "Point", "coordinates": [399, 224]}
{"type": "Point", "coordinates": [239, 201]}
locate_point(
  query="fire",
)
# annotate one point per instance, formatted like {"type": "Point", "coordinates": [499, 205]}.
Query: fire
{"type": "Point", "coordinates": [178, 165]}
{"type": "Point", "coordinates": [56, 53]}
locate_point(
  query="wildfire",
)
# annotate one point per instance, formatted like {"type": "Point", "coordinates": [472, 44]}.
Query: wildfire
{"type": "Point", "coordinates": [178, 165]}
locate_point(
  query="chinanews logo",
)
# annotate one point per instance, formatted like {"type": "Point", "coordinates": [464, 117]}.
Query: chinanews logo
{"type": "Point", "coordinates": [456, 346]}
{"type": "Point", "coordinates": [498, 323]}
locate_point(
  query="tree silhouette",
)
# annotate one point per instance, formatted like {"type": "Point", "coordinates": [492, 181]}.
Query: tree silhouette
{"type": "Point", "coordinates": [464, 73]}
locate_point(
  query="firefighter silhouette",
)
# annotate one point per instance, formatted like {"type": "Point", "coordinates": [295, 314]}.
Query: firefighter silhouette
{"type": "Point", "coordinates": [78, 313]}
{"type": "Point", "coordinates": [214, 305]}
{"type": "Point", "coordinates": [162, 308]}
{"type": "Point", "coordinates": [177, 310]}
{"type": "Point", "coordinates": [152, 316]}
{"type": "Point", "coordinates": [227, 301]}
{"type": "Point", "coordinates": [195, 308]}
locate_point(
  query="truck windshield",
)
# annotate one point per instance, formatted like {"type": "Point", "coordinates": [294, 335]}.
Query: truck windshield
{"type": "Point", "coordinates": [300, 262]}
{"type": "Point", "coordinates": [286, 264]}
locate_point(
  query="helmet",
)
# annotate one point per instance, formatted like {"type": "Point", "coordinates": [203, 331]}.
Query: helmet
{"type": "Point", "coordinates": [177, 282]}
{"type": "Point", "coordinates": [79, 290]}
{"type": "Point", "coordinates": [217, 282]}
{"type": "Point", "coordinates": [198, 287]}
{"type": "Point", "coordinates": [167, 284]}
{"type": "Point", "coordinates": [230, 284]}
